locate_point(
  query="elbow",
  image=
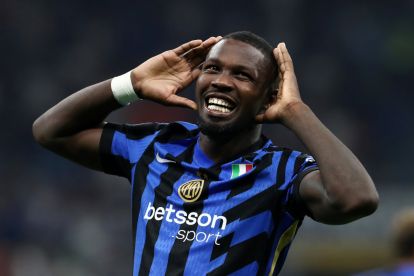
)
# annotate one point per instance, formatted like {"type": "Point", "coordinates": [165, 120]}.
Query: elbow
{"type": "Point", "coordinates": [366, 205]}
{"type": "Point", "coordinates": [360, 205]}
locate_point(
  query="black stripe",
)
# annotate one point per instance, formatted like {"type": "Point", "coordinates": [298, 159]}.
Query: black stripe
{"type": "Point", "coordinates": [256, 204]}
{"type": "Point", "coordinates": [140, 178]}
{"type": "Point", "coordinates": [298, 162]}
{"type": "Point", "coordinates": [237, 256]}
{"type": "Point", "coordinates": [164, 189]}
{"type": "Point", "coordinates": [180, 250]}
{"type": "Point", "coordinates": [136, 132]}
{"type": "Point", "coordinates": [175, 131]}
{"type": "Point", "coordinates": [142, 167]}
{"type": "Point", "coordinates": [281, 168]}
{"type": "Point", "coordinates": [277, 210]}
{"type": "Point", "coordinates": [222, 246]}
{"type": "Point", "coordinates": [297, 206]}
{"type": "Point", "coordinates": [249, 180]}
{"type": "Point", "coordinates": [111, 164]}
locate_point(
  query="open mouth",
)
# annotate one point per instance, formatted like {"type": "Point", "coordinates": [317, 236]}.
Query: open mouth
{"type": "Point", "coordinates": [219, 105]}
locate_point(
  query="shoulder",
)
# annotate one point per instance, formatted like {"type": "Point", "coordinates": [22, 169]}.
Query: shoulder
{"type": "Point", "coordinates": [139, 131]}
{"type": "Point", "coordinates": [284, 154]}
{"type": "Point", "coordinates": [177, 131]}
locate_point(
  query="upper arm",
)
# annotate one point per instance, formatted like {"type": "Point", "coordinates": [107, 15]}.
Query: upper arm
{"type": "Point", "coordinates": [82, 147]}
{"type": "Point", "coordinates": [321, 206]}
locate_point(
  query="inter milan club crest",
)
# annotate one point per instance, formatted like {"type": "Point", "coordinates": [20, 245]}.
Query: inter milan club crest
{"type": "Point", "coordinates": [190, 191]}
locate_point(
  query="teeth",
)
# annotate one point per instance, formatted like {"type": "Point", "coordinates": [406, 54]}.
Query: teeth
{"type": "Point", "coordinates": [219, 102]}
{"type": "Point", "coordinates": [218, 108]}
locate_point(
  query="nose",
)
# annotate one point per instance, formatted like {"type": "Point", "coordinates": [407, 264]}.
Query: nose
{"type": "Point", "coordinates": [222, 82]}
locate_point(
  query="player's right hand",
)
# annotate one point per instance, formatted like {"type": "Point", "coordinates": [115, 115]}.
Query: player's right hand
{"type": "Point", "coordinates": [161, 77]}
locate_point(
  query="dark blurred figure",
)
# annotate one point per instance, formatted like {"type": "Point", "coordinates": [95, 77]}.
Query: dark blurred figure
{"type": "Point", "coordinates": [403, 247]}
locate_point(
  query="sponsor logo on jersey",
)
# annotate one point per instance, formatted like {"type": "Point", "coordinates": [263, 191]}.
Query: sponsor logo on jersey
{"type": "Point", "coordinates": [191, 191]}
{"type": "Point", "coordinates": [203, 220]}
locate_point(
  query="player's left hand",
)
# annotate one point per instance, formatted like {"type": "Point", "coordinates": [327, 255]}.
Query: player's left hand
{"type": "Point", "coordinates": [287, 93]}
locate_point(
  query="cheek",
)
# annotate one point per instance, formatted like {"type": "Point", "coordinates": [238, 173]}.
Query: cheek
{"type": "Point", "coordinates": [202, 81]}
{"type": "Point", "coordinates": [200, 85]}
{"type": "Point", "coordinates": [254, 102]}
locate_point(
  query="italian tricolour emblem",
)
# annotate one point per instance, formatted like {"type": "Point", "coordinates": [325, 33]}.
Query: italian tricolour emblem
{"type": "Point", "coordinates": [240, 169]}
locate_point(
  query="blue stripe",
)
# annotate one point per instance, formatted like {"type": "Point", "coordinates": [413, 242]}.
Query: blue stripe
{"type": "Point", "coordinates": [173, 149]}
{"type": "Point", "coordinates": [130, 149]}
{"type": "Point", "coordinates": [168, 231]}
{"type": "Point", "coordinates": [152, 182]}
{"type": "Point", "coordinates": [200, 253]}
{"type": "Point", "coordinates": [165, 239]}
{"type": "Point", "coordinates": [119, 145]}
{"type": "Point", "coordinates": [187, 125]}
{"type": "Point", "coordinates": [137, 147]}
{"type": "Point", "coordinates": [251, 227]}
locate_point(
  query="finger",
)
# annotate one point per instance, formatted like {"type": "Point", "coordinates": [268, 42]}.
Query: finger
{"type": "Point", "coordinates": [279, 58]}
{"type": "Point", "coordinates": [182, 49]}
{"type": "Point", "coordinates": [197, 55]}
{"type": "Point", "coordinates": [210, 42]}
{"type": "Point", "coordinates": [285, 58]}
{"type": "Point", "coordinates": [181, 101]}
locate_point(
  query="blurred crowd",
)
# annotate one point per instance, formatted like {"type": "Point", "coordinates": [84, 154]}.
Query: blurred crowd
{"type": "Point", "coordinates": [353, 60]}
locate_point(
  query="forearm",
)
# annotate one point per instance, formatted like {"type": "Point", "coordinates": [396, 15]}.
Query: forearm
{"type": "Point", "coordinates": [346, 182]}
{"type": "Point", "coordinates": [82, 110]}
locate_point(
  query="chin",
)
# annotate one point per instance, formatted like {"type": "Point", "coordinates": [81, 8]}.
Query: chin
{"type": "Point", "coordinates": [223, 131]}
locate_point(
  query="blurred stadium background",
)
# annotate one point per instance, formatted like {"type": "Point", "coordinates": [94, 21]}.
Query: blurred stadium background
{"type": "Point", "coordinates": [353, 60]}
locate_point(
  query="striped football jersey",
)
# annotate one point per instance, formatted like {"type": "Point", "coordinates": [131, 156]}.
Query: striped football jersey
{"type": "Point", "coordinates": [191, 216]}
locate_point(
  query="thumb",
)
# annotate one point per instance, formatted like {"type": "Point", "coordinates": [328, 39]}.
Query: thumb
{"type": "Point", "coordinates": [181, 101]}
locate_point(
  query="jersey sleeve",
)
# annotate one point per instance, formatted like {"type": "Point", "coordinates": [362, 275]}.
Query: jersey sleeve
{"type": "Point", "coordinates": [122, 145]}
{"type": "Point", "coordinates": [303, 165]}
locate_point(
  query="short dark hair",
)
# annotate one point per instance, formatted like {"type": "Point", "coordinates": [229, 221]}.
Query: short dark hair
{"type": "Point", "coordinates": [263, 46]}
{"type": "Point", "coordinates": [403, 233]}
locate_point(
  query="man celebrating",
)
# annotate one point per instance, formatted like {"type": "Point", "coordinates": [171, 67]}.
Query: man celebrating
{"type": "Point", "coordinates": [218, 197]}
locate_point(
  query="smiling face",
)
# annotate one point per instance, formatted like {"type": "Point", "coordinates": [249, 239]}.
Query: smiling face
{"type": "Point", "coordinates": [232, 88]}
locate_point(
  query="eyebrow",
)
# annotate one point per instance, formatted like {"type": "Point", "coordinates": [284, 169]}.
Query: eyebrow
{"type": "Point", "coordinates": [240, 67]}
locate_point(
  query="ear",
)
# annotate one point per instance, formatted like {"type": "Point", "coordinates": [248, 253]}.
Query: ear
{"type": "Point", "coordinates": [270, 99]}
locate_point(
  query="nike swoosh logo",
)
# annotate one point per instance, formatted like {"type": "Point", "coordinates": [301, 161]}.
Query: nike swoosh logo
{"type": "Point", "coordinates": [163, 160]}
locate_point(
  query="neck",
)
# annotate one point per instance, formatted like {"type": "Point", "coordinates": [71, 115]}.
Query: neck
{"type": "Point", "coordinates": [223, 147]}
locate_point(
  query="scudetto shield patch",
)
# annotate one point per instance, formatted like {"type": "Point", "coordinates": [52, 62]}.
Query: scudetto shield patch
{"type": "Point", "coordinates": [190, 191]}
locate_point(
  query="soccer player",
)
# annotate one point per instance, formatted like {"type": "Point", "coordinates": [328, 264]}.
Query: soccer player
{"type": "Point", "coordinates": [403, 247]}
{"type": "Point", "coordinates": [218, 197]}
{"type": "Point", "coordinates": [403, 239]}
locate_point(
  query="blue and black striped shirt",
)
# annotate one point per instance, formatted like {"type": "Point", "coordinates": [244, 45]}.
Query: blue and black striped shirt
{"type": "Point", "coordinates": [194, 217]}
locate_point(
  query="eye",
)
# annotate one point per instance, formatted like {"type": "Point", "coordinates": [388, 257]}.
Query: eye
{"type": "Point", "coordinates": [210, 68]}
{"type": "Point", "coordinates": [243, 76]}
